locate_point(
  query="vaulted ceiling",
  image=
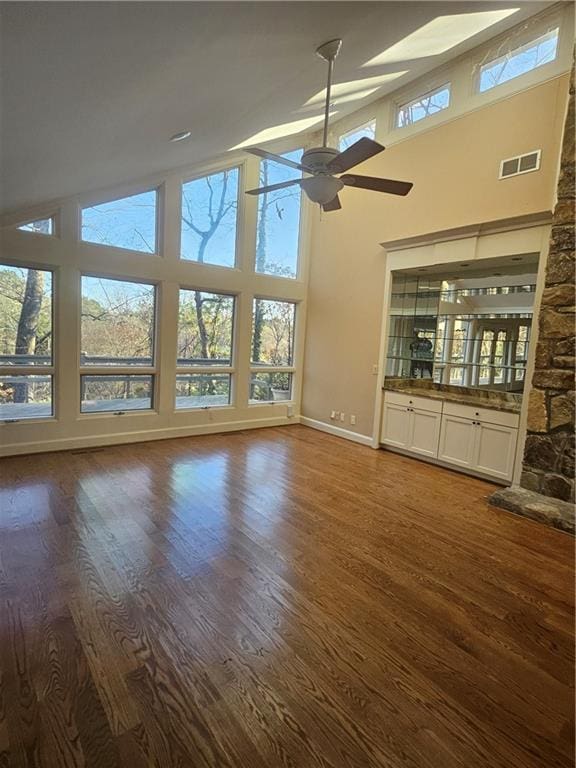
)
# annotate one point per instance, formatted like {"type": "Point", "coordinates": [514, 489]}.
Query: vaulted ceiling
{"type": "Point", "coordinates": [93, 91]}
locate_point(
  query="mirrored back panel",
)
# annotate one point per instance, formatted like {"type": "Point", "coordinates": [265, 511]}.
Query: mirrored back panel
{"type": "Point", "coordinates": [465, 325]}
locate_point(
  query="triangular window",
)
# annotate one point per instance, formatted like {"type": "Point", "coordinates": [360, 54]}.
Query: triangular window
{"type": "Point", "coordinates": [40, 226]}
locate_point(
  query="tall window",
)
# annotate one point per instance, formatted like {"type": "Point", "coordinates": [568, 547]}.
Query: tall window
{"type": "Point", "coordinates": [524, 59]}
{"type": "Point", "coordinates": [205, 335]}
{"type": "Point", "coordinates": [129, 222]}
{"type": "Point", "coordinates": [272, 352]}
{"type": "Point", "coordinates": [26, 364]}
{"type": "Point", "coordinates": [351, 137]}
{"type": "Point", "coordinates": [278, 227]}
{"type": "Point", "coordinates": [424, 106]}
{"type": "Point", "coordinates": [209, 218]}
{"type": "Point", "coordinates": [117, 338]}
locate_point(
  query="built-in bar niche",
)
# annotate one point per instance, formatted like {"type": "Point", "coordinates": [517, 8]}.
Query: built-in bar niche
{"type": "Point", "coordinates": [469, 325]}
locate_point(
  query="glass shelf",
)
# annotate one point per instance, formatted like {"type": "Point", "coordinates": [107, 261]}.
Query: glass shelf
{"type": "Point", "coordinates": [484, 348]}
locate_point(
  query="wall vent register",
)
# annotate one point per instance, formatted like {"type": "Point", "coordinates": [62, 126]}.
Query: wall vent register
{"type": "Point", "coordinates": [514, 166]}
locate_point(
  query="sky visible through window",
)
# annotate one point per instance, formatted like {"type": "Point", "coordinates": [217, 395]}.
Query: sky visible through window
{"type": "Point", "coordinates": [209, 218]}
{"type": "Point", "coordinates": [278, 227]}
{"type": "Point", "coordinates": [524, 59]}
{"type": "Point", "coordinates": [423, 106]}
{"type": "Point", "coordinates": [347, 139]}
{"type": "Point", "coordinates": [40, 226]}
{"type": "Point", "coordinates": [126, 223]}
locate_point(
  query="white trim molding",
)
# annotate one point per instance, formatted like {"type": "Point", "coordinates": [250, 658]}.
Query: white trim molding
{"type": "Point", "coordinates": [321, 426]}
{"type": "Point", "coordinates": [142, 436]}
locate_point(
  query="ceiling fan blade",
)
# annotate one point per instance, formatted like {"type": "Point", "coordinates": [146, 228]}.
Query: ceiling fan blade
{"type": "Point", "coordinates": [273, 187]}
{"type": "Point", "coordinates": [333, 205]}
{"type": "Point", "coordinates": [357, 153]}
{"type": "Point", "coordinates": [390, 186]}
{"type": "Point", "coordinates": [277, 159]}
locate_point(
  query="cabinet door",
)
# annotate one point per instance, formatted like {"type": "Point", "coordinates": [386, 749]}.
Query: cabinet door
{"type": "Point", "coordinates": [396, 425]}
{"type": "Point", "coordinates": [424, 432]}
{"type": "Point", "coordinates": [457, 441]}
{"type": "Point", "coordinates": [495, 449]}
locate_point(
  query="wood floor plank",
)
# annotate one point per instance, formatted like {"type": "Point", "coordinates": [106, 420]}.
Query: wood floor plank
{"type": "Point", "coordinates": [276, 598]}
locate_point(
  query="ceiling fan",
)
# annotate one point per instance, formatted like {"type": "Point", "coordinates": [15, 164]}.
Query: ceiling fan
{"type": "Point", "coordinates": [323, 163]}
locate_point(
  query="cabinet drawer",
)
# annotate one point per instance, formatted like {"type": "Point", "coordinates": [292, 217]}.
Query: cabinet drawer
{"type": "Point", "coordinates": [504, 418]}
{"type": "Point", "coordinates": [423, 403]}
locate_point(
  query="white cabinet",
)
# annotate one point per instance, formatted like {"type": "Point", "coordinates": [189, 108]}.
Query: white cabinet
{"type": "Point", "coordinates": [495, 450]}
{"type": "Point", "coordinates": [476, 439]}
{"type": "Point", "coordinates": [425, 432]}
{"type": "Point", "coordinates": [410, 426]}
{"type": "Point", "coordinates": [457, 441]}
{"type": "Point", "coordinates": [480, 439]}
{"type": "Point", "coordinates": [396, 425]}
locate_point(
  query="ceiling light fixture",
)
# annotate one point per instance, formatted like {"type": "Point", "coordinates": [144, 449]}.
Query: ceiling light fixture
{"type": "Point", "coordinates": [180, 136]}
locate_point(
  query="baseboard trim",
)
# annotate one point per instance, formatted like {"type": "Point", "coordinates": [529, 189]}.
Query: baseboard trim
{"type": "Point", "coordinates": [336, 431]}
{"type": "Point", "coordinates": [141, 436]}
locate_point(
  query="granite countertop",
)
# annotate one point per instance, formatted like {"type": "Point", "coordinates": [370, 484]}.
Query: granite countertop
{"type": "Point", "coordinates": [494, 399]}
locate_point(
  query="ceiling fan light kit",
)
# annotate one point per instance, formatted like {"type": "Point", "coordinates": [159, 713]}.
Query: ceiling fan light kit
{"type": "Point", "coordinates": [321, 185]}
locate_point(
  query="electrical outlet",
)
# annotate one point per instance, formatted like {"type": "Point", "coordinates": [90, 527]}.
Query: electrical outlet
{"type": "Point", "coordinates": [342, 416]}
{"type": "Point", "coordinates": [374, 370]}
{"type": "Point", "coordinates": [332, 414]}
{"type": "Point", "coordinates": [352, 419]}
{"type": "Point", "coordinates": [289, 411]}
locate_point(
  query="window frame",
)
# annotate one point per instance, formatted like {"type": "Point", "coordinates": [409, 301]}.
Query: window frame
{"type": "Point", "coordinates": [555, 26]}
{"type": "Point", "coordinates": [204, 173]}
{"type": "Point", "coordinates": [400, 105]}
{"type": "Point", "coordinates": [301, 226]}
{"type": "Point", "coordinates": [372, 121]}
{"type": "Point", "coordinates": [254, 370]}
{"type": "Point", "coordinates": [36, 370]}
{"type": "Point", "coordinates": [53, 217]}
{"type": "Point", "coordinates": [121, 370]}
{"type": "Point", "coordinates": [229, 370]}
{"type": "Point", "coordinates": [158, 190]}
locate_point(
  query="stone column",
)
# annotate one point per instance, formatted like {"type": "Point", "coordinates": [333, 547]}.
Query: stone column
{"type": "Point", "coordinates": [548, 466]}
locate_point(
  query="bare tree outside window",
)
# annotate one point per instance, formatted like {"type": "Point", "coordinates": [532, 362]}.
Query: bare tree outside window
{"type": "Point", "coordinates": [126, 223]}
{"type": "Point", "coordinates": [205, 326]}
{"type": "Point", "coordinates": [351, 137]}
{"type": "Point", "coordinates": [272, 348]}
{"type": "Point", "coordinates": [26, 336]}
{"type": "Point", "coordinates": [423, 106]}
{"type": "Point", "coordinates": [117, 322]}
{"type": "Point", "coordinates": [524, 59]}
{"type": "Point", "coordinates": [209, 219]}
{"type": "Point", "coordinates": [278, 227]}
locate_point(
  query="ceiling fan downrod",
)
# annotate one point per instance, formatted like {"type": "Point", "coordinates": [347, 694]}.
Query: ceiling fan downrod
{"type": "Point", "coordinates": [322, 164]}
{"type": "Point", "coordinates": [328, 51]}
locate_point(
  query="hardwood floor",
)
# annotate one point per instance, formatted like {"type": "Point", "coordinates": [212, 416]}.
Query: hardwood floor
{"type": "Point", "coordinates": [274, 598]}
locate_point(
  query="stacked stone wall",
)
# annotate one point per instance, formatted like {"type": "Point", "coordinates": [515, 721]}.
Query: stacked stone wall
{"type": "Point", "coordinates": [548, 466]}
